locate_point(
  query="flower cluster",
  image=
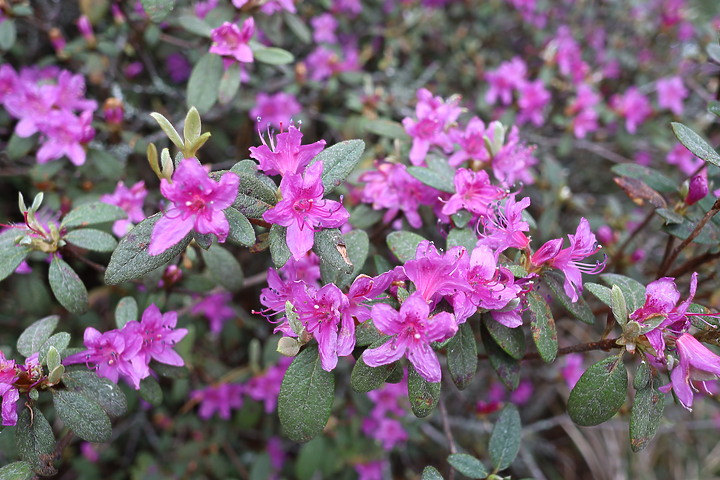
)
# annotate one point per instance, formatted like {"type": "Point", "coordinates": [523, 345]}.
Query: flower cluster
{"type": "Point", "coordinates": [389, 406]}
{"type": "Point", "coordinates": [15, 378]}
{"type": "Point", "coordinates": [128, 351]}
{"type": "Point", "coordinates": [129, 199]}
{"type": "Point", "coordinates": [49, 101]}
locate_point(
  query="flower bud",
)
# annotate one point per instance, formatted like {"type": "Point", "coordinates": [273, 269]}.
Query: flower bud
{"type": "Point", "coordinates": [697, 190]}
{"type": "Point", "coordinates": [86, 30]}
{"type": "Point", "coordinates": [114, 111]}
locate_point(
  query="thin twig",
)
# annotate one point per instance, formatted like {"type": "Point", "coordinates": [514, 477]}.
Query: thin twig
{"type": "Point", "coordinates": [621, 249]}
{"type": "Point", "coordinates": [448, 434]}
{"type": "Point", "coordinates": [607, 344]}
{"type": "Point", "coordinates": [693, 263]}
{"type": "Point", "coordinates": [673, 256]}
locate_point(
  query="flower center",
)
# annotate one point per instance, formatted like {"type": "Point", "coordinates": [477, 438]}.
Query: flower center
{"type": "Point", "coordinates": [196, 204]}
{"type": "Point", "coordinates": [303, 205]}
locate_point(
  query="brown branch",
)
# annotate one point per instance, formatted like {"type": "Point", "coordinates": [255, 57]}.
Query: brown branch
{"type": "Point", "coordinates": [693, 263]}
{"type": "Point", "coordinates": [605, 345]}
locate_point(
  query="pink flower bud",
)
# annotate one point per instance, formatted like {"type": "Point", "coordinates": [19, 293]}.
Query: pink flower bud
{"type": "Point", "coordinates": [113, 111]}
{"type": "Point", "coordinates": [86, 30]}
{"type": "Point", "coordinates": [697, 190]}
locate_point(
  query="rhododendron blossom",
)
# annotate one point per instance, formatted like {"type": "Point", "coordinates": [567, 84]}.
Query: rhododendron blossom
{"type": "Point", "coordinates": [285, 155]}
{"type": "Point", "coordinates": [697, 363]}
{"type": "Point", "coordinates": [231, 42]}
{"type": "Point", "coordinates": [129, 199]}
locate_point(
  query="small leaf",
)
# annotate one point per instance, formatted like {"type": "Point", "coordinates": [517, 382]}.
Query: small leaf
{"type": "Point", "coordinates": [192, 127]}
{"type": "Point", "coordinates": [91, 214]}
{"type": "Point", "coordinates": [386, 128]}
{"type": "Point", "coordinates": [695, 143]}
{"type": "Point", "coordinates": [8, 34]}
{"type": "Point", "coordinates": [652, 178]}
{"type": "Point", "coordinates": [463, 237]}
{"type": "Point", "coordinates": [633, 290]}
{"type": "Point", "coordinates": [604, 294]}
{"type": "Point", "coordinates": [202, 89]}
{"type": "Point", "coordinates": [506, 367]}
{"type": "Point", "coordinates": [223, 267]}
{"type": "Point", "coordinates": [130, 260]}
{"type": "Point", "coordinates": [82, 415]}
{"type": "Point", "coordinates": [365, 378]}
{"type": "Point", "coordinates": [511, 340]}
{"type": "Point", "coordinates": [59, 342]}
{"type": "Point", "coordinates": [432, 179]}
{"type": "Point", "coordinates": [647, 410]}
{"type": "Point", "coordinates": [580, 309]}
{"type": "Point", "coordinates": [462, 356]}
{"type": "Point", "coordinates": [273, 55]}
{"type": "Point", "coordinates": [158, 10]}
{"type": "Point", "coordinates": [423, 395]}
{"type": "Point", "coordinates": [19, 146]}
{"type": "Point", "coordinates": [53, 357]}
{"type": "Point", "coordinates": [599, 393]}
{"type": "Point", "coordinates": [713, 51]}
{"type": "Point", "coordinates": [640, 192]}
{"type": "Point", "coordinates": [404, 244]}
{"type": "Point", "coordinates": [100, 390]}
{"type": "Point", "coordinates": [330, 246]}
{"type": "Point", "coordinates": [338, 161]}
{"type": "Point", "coordinates": [35, 441]}
{"type": "Point", "coordinates": [431, 473]}
{"type": "Point", "coordinates": [366, 334]}
{"type": "Point", "coordinates": [670, 216]}
{"type": "Point", "coordinates": [542, 325]}
{"type": "Point", "coordinates": [241, 230]}
{"type": "Point", "coordinates": [468, 465]}
{"type": "Point", "coordinates": [306, 397]}
{"type": "Point", "coordinates": [255, 195]}
{"type": "Point", "coordinates": [229, 83]}
{"type": "Point", "coordinates": [619, 307]}
{"type": "Point", "coordinates": [356, 247]}
{"type": "Point", "coordinates": [279, 250]}
{"type": "Point", "coordinates": [714, 107]}
{"type": "Point", "coordinates": [67, 287]}
{"type": "Point", "coordinates": [17, 471]}
{"type": "Point", "coordinates": [36, 334]}
{"type": "Point", "coordinates": [126, 311]}
{"type": "Point", "coordinates": [505, 438]}
{"type": "Point", "coordinates": [91, 239]}
{"type": "Point", "coordinates": [150, 391]}
{"type": "Point", "coordinates": [169, 130]}
{"type": "Point", "coordinates": [196, 25]}
{"type": "Point", "coordinates": [709, 235]}
{"type": "Point", "coordinates": [11, 255]}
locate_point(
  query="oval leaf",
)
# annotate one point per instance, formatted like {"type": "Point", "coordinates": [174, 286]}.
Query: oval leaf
{"type": "Point", "coordinates": [91, 239]}
{"type": "Point", "coordinates": [59, 342]}
{"type": "Point", "coordinates": [338, 161]}
{"type": "Point", "coordinates": [580, 309]}
{"type": "Point", "coordinates": [11, 255]}
{"type": "Point", "coordinates": [100, 390]}
{"type": "Point", "coordinates": [82, 415]}
{"type": "Point", "coordinates": [404, 244]}
{"type": "Point", "coordinates": [279, 250]}
{"type": "Point", "coordinates": [158, 10]}
{"type": "Point", "coordinates": [67, 287]}
{"type": "Point", "coordinates": [330, 247]}
{"type": "Point", "coordinates": [273, 55]}
{"type": "Point", "coordinates": [599, 393]}
{"type": "Point", "coordinates": [468, 465]}
{"type": "Point", "coordinates": [462, 356]}
{"type": "Point", "coordinates": [633, 290]}
{"type": "Point", "coordinates": [695, 143]}
{"type": "Point", "coordinates": [431, 473]}
{"type": "Point", "coordinates": [17, 471]}
{"type": "Point", "coordinates": [35, 441]}
{"type": "Point", "coordinates": [365, 378]}
{"type": "Point", "coordinates": [306, 397]}
{"type": "Point", "coordinates": [542, 325]}
{"type": "Point", "coordinates": [36, 334]}
{"type": "Point", "coordinates": [229, 83]}
{"type": "Point", "coordinates": [202, 90]}
{"type": "Point", "coordinates": [506, 367]}
{"type": "Point", "coordinates": [241, 230]}
{"type": "Point", "coordinates": [505, 438]}
{"type": "Point", "coordinates": [150, 391]}
{"type": "Point", "coordinates": [511, 340]}
{"type": "Point", "coordinates": [647, 410]}
{"type": "Point", "coordinates": [223, 267]}
{"type": "Point", "coordinates": [423, 395]}
{"type": "Point", "coordinates": [91, 214]}
{"type": "Point", "coordinates": [126, 311]}
{"type": "Point", "coordinates": [433, 179]}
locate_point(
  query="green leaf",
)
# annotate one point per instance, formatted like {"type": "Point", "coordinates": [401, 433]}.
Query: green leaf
{"type": "Point", "coordinates": [463, 237]}
{"type": "Point", "coordinates": [158, 10]}
{"type": "Point", "coordinates": [150, 391]}
{"type": "Point", "coordinates": [298, 27]}
{"type": "Point", "coordinates": [433, 179]}
{"type": "Point", "coordinates": [709, 235]}
{"type": "Point", "coordinates": [652, 178]}
{"type": "Point", "coordinates": [330, 246]}
{"type": "Point", "coordinates": [431, 473]}
{"type": "Point", "coordinates": [92, 214]}
{"type": "Point", "coordinates": [462, 356]}
{"type": "Point", "coordinates": [255, 196]}
{"type": "Point", "coordinates": [695, 143]}
{"type": "Point", "coordinates": [19, 146]}
{"type": "Point", "coordinates": [202, 89]}
{"type": "Point", "coordinates": [108, 395]}
{"type": "Point", "coordinates": [279, 250]}
{"type": "Point", "coordinates": [59, 342]}
{"type": "Point", "coordinates": [423, 395]}
{"type": "Point", "coordinates": [506, 367]}
{"type": "Point", "coordinates": [713, 51]}
{"type": "Point", "coordinates": [273, 55]}
{"type": "Point", "coordinates": [223, 267]}
{"type": "Point", "coordinates": [130, 260]}
{"type": "Point", "coordinates": [11, 255]}
{"type": "Point", "coordinates": [196, 25]}
{"type": "Point", "coordinates": [36, 334]}
{"type": "Point", "coordinates": [599, 393]}
{"type": "Point", "coordinates": [505, 438]}
{"type": "Point", "coordinates": [633, 290]}
{"type": "Point", "coordinates": [338, 161]}
{"type": "Point", "coordinates": [169, 129]}
{"type": "Point", "coordinates": [542, 325]}
{"type": "Point", "coordinates": [404, 244]}
{"type": "Point", "coordinates": [52, 358]}
{"type": "Point", "coordinates": [82, 415]}
{"type": "Point", "coordinates": [511, 340]}
{"type": "Point", "coordinates": [619, 306]}
{"type": "Point", "coordinates": [229, 84]}
{"type": "Point", "coordinates": [647, 410]}
{"type": "Point", "coordinates": [8, 34]}
{"type": "Point", "coordinates": [126, 311]}
{"type": "Point", "coordinates": [670, 216]}
{"type": "Point", "coordinates": [461, 218]}
{"type": "Point", "coordinates": [386, 128]}
{"type": "Point", "coordinates": [365, 378]}
{"type": "Point", "coordinates": [17, 471]}
{"type": "Point", "coordinates": [714, 107]}
{"type": "Point", "coordinates": [67, 287]}
{"type": "Point", "coordinates": [91, 239]}
{"type": "Point", "coordinates": [241, 230]}
{"type": "Point", "coordinates": [306, 397]}
{"type": "Point", "coordinates": [35, 441]}
{"type": "Point", "coordinates": [357, 246]}
{"type": "Point", "coordinates": [366, 334]}
{"type": "Point", "coordinates": [580, 309]}
{"type": "Point", "coordinates": [468, 465]}
{"type": "Point", "coordinates": [604, 294]}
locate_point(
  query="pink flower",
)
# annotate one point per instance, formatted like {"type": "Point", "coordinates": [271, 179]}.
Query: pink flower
{"type": "Point", "coordinates": [413, 330]}
{"type": "Point", "coordinates": [231, 42]}
{"type": "Point", "coordinates": [9, 393]}
{"type": "Point", "coordinates": [532, 99]}
{"type": "Point", "coordinates": [324, 28]}
{"type": "Point", "coordinates": [273, 6]}
{"type": "Point", "coordinates": [388, 431]}
{"type": "Point", "coordinates": [129, 199]}
{"type": "Point", "coordinates": [671, 93]}
{"type": "Point", "coordinates": [573, 369]}
{"type": "Point", "coordinates": [569, 55]}
{"type": "Point", "coordinates": [215, 308]}
{"type": "Point", "coordinates": [266, 386]}
{"type": "Point", "coordinates": [513, 162]}
{"type": "Point", "coordinates": [434, 117]}
{"type": "Point", "coordinates": [434, 273]}
{"type": "Point", "coordinates": [277, 109]}
{"type": "Point", "coordinates": [288, 156]}
{"type": "Point", "coordinates": [370, 470]}
{"type": "Point", "coordinates": [586, 117]}
{"type": "Point", "coordinates": [474, 193]}
{"type": "Point", "coordinates": [684, 159]}
{"type": "Point", "coordinates": [158, 334]}
{"type": "Point", "coordinates": [220, 398]}
{"type": "Point", "coordinates": [303, 210]}
{"type": "Point", "coordinates": [697, 190]}
{"type": "Point", "coordinates": [506, 78]}
{"type": "Point", "coordinates": [697, 363]}
{"type": "Point", "coordinates": [198, 203]}
{"type": "Point", "coordinates": [504, 227]}
{"type": "Point", "coordinates": [633, 106]}
{"type": "Point", "coordinates": [471, 142]}
{"type": "Point", "coordinates": [64, 135]}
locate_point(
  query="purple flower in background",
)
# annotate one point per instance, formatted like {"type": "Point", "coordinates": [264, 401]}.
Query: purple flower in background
{"type": "Point", "coordinates": [697, 363]}
{"type": "Point", "coordinates": [231, 42]}
{"type": "Point", "coordinates": [471, 142]}
{"type": "Point", "coordinates": [506, 78]}
{"type": "Point", "coordinates": [434, 117]}
{"type": "Point", "coordinates": [633, 106]}
{"type": "Point", "coordinates": [65, 135]}
{"type": "Point", "coordinates": [697, 190]}
{"type": "Point", "coordinates": [273, 6]}
{"type": "Point", "coordinates": [303, 210]}
{"type": "Point", "coordinates": [532, 99]}
{"type": "Point", "coordinates": [569, 55]}
{"type": "Point", "coordinates": [352, 7]}
{"type": "Point", "coordinates": [203, 8]}
{"type": "Point", "coordinates": [324, 28]}
{"type": "Point", "coordinates": [388, 431]}
{"type": "Point", "coordinates": [671, 93]}
{"type": "Point", "coordinates": [158, 334]}
{"type": "Point", "coordinates": [178, 67]}
{"type": "Point", "coordinates": [474, 193]}
{"type": "Point", "coordinates": [129, 199]}
{"type": "Point", "coordinates": [278, 110]}
{"type": "Point", "coordinates": [198, 203]}
{"type": "Point", "coordinates": [215, 308]}
{"type": "Point", "coordinates": [306, 269]}
{"type": "Point", "coordinates": [684, 159]}
{"type": "Point", "coordinates": [287, 156]}
{"type": "Point", "coordinates": [573, 369]}
{"type": "Point", "coordinates": [583, 107]}
{"type": "Point", "coordinates": [370, 470]}
{"type": "Point", "coordinates": [266, 387]}
{"type": "Point", "coordinates": [513, 162]}
{"type": "Point", "coordinates": [413, 330]}
{"type": "Point", "coordinates": [220, 398]}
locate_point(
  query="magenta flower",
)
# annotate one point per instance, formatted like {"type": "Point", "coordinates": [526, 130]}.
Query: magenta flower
{"type": "Point", "coordinates": [435, 273]}
{"type": "Point", "coordinates": [266, 387]}
{"type": "Point", "coordinates": [370, 470]}
{"type": "Point", "coordinates": [9, 393]}
{"type": "Point", "coordinates": [573, 369]}
{"type": "Point", "coordinates": [129, 199]}
{"type": "Point", "coordinates": [388, 431]}
{"type": "Point", "coordinates": [471, 142]}
{"type": "Point", "coordinates": [324, 28]}
{"type": "Point", "coordinates": [514, 161]}
{"type": "Point", "coordinates": [198, 203]}
{"type": "Point", "coordinates": [287, 156]}
{"type": "Point", "coordinates": [504, 228]}
{"type": "Point", "coordinates": [569, 55]}
{"type": "Point", "coordinates": [434, 118]}
{"type": "Point", "coordinates": [273, 6]}
{"type": "Point", "coordinates": [65, 134]}
{"type": "Point", "coordinates": [697, 363]}
{"type": "Point", "coordinates": [277, 110]}
{"type": "Point", "coordinates": [532, 99]}
{"type": "Point", "coordinates": [583, 107]}
{"type": "Point", "coordinates": [303, 210]}
{"type": "Point", "coordinates": [633, 106]}
{"type": "Point", "coordinates": [220, 398]}
{"type": "Point", "coordinates": [413, 331]}
{"type": "Point", "coordinates": [231, 42]}
{"type": "Point", "coordinates": [306, 269]}
{"type": "Point", "coordinates": [683, 159]}
{"type": "Point", "coordinates": [506, 78]}
{"type": "Point", "coordinates": [474, 193]}
{"type": "Point", "coordinates": [490, 287]}
{"type": "Point", "coordinates": [158, 334]}
{"type": "Point", "coordinates": [697, 190]}
{"type": "Point", "coordinates": [216, 309]}
{"type": "Point", "coordinates": [671, 93]}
